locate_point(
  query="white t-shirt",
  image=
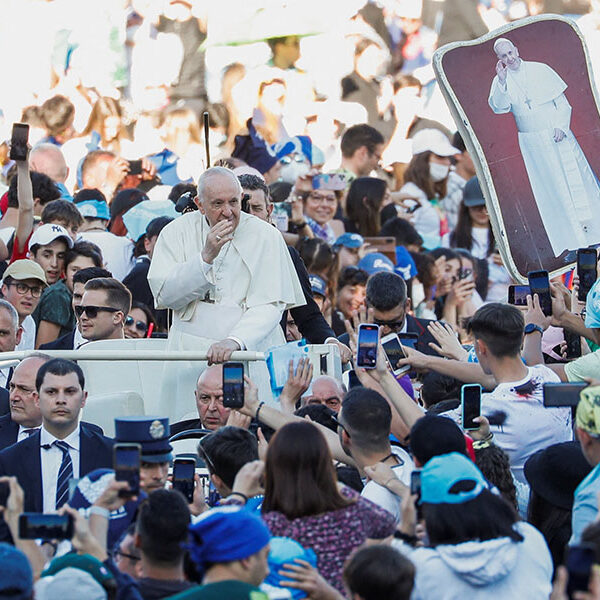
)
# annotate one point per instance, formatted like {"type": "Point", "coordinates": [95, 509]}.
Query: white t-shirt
{"type": "Point", "coordinates": [529, 426]}
{"type": "Point", "coordinates": [426, 217]}
{"type": "Point", "coordinates": [28, 338]}
{"type": "Point", "coordinates": [382, 496]}
{"type": "Point", "coordinates": [117, 251]}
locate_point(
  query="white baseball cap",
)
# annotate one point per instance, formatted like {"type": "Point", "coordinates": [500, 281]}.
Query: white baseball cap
{"type": "Point", "coordinates": [47, 233]}
{"type": "Point", "coordinates": [432, 140]}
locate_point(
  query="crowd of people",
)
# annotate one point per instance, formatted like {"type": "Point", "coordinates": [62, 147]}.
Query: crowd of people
{"type": "Point", "coordinates": [329, 189]}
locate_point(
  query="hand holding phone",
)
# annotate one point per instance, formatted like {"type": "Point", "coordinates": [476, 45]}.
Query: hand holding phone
{"type": "Point", "coordinates": [517, 294]}
{"type": "Point", "coordinates": [368, 340]}
{"type": "Point", "coordinates": [539, 283]}
{"type": "Point", "coordinates": [471, 405]}
{"type": "Point", "coordinates": [184, 470]}
{"type": "Point", "coordinates": [38, 526]}
{"type": "Point", "coordinates": [233, 385]}
{"type": "Point", "coordinates": [18, 142]}
{"type": "Point", "coordinates": [394, 352]}
{"type": "Point", "coordinates": [562, 394]}
{"type": "Point", "coordinates": [587, 271]}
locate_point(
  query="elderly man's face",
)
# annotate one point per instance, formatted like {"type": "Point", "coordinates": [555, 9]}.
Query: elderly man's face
{"type": "Point", "coordinates": [509, 55]}
{"type": "Point", "coordinates": [221, 200]}
{"type": "Point", "coordinates": [209, 399]}
{"type": "Point", "coordinates": [327, 391]}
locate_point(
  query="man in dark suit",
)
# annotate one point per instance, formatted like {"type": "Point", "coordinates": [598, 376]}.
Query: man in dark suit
{"type": "Point", "coordinates": [63, 448]}
{"type": "Point", "coordinates": [387, 297]}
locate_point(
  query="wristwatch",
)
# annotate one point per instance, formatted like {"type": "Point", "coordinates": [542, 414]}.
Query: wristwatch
{"type": "Point", "coordinates": [531, 327]}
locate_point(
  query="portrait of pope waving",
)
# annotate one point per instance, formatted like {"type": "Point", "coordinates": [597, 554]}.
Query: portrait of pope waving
{"type": "Point", "coordinates": [566, 190]}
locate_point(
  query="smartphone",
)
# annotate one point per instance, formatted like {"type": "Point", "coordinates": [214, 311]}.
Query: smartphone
{"type": "Point", "coordinates": [18, 141]}
{"type": "Point", "coordinates": [38, 526]}
{"type": "Point", "coordinates": [587, 271]}
{"type": "Point", "coordinates": [184, 470]}
{"type": "Point", "coordinates": [562, 394]}
{"type": "Point", "coordinates": [415, 483]}
{"type": "Point", "coordinates": [579, 561]}
{"type": "Point", "coordinates": [394, 352]}
{"type": "Point", "coordinates": [333, 181]}
{"type": "Point", "coordinates": [539, 284]}
{"type": "Point", "coordinates": [470, 400]}
{"type": "Point", "coordinates": [573, 344]}
{"type": "Point", "coordinates": [233, 385]}
{"type": "Point", "coordinates": [409, 339]}
{"type": "Point", "coordinates": [4, 492]}
{"type": "Point", "coordinates": [135, 167]}
{"type": "Point", "coordinates": [517, 294]}
{"type": "Point", "coordinates": [368, 338]}
{"type": "Point", "coordinates": [127, 459]}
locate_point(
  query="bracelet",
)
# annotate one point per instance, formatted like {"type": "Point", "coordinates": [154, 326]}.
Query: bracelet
{"type": "Point", "coordinates": [390, 479]}
{"type": "Point", "coordinates": [243, 496]}
{"type": "Point", "coordinates": [411, 540]}
{"type": "Point", "coordinates": [100, 511]}
{"type": "Point", "coordinates": [258, 410]}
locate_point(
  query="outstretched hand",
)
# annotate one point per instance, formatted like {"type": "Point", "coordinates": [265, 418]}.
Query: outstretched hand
{"type": "Point", "coordinates": [448, 344]}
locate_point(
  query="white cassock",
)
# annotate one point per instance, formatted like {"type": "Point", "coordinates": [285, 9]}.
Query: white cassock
{"type": "Point", "coordinates": [565, 188]}
{"type": "Point", "coordinates": [242, 296]}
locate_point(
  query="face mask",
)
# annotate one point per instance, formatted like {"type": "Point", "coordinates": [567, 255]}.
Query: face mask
{"type": "Point", "coordinates": [438, 172]}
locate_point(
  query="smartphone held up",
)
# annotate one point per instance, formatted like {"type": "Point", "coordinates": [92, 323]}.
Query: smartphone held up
{"type": "Point", "coordinates": [368, 340]}
{"type": "Point", "coordinates": [470, 401]}
{"type": "Point", "coordinates": [18, 141]}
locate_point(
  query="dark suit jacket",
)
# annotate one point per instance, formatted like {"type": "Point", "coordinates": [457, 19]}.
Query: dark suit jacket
{"type": "Point", "coordinates": [9, 431]}
{"type": "Point", "coordinates": [22, 461]}
{"type": "Point", "coordinates": [418, 326]}
{"type": "Point", "coordinates": [309, 319]}
{"type": "Point", "coordinates": [65, 342]}
{"type": "Point", "coordinates": [4, 403]}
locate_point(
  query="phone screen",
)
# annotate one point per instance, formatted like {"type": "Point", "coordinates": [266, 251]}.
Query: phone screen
{"type": "Point", "coordinates": [587, 271]}
{"type": "Point", "coordinates": [562, 394]}
{"type": "Point", "coordinates": [38, 526]}
{"type": "Point", "coordinates": [394, 352]}
{"type": "Point", "coordinates": [540, 285]}
{"type": "Point", "coordinates": [573, 344]}
{"type": "Point", "coordinates": [233, 385]}
{"type": "Point", "coordinates": [415, 483]}
{"type": "Point", "coordinates": [368, 337]}
{"type": "Point", "coordinates": [579, 564]}
{"type": "Point", "coordinates": [471, 406]}
{"type": "Point", "coordinates": [183, 477]}
{"type": "Point", "coordinates": [18, 141]}
{"type": "Point", "coordinates": [135, 167]}
{"type": "Point", "coordinates": [4, 492]}
{"type": "Point", "coordinates": [409, 339]}
{"type": "Point", "coordinates": [517, 294]}
{"type": "Point", "coordinates": [127, 462]}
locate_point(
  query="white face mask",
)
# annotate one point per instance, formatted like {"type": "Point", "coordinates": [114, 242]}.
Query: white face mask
{"type": "Point", "coordinates": [438, 172]}
{"type": "Point", "coordinates": [291, 171]}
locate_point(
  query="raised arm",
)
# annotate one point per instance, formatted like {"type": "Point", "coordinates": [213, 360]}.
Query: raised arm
{"type": "Point", "coordinates": [25, 197]}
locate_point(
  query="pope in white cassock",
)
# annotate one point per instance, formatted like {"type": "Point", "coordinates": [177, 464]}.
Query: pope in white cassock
{"type": "Point", "coordinates": [227, 276]}
{"type": "Point", "coordinates": [565, 188]}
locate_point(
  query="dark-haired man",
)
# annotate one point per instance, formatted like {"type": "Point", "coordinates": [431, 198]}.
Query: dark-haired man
{"type": "Point", "coordinates": [63, 448]}
{"type": "Point", "coordinates": [527, 426]}
{"type": "Point", "coordinates": [161, 532]}
{"type": "Point", "coordinates": [361, 147]}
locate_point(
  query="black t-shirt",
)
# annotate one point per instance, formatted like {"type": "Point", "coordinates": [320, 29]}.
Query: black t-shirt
{"type": "Point", "coordinates": [157, 589]}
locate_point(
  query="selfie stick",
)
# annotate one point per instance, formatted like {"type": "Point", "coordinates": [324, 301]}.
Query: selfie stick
{"type": "Point", "coordinates": [205, 116]}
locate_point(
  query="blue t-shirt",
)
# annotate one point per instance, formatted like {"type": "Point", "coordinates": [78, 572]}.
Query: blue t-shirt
{"type": "Point", "coordinates": [585, 505]}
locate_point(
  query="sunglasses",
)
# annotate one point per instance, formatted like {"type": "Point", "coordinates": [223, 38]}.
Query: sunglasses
{"type": "Point", "coordinates": [206, 458]}
{"type": "Point", "coordinates": [338, 424]}
{"type": "Point", "coordinates": [92, 311]}
{"type": "Point", "coordinates": [139, 325]}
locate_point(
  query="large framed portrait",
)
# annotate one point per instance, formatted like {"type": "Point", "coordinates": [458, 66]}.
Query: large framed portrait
{"type": "Point", "coordinates": [525, 103]}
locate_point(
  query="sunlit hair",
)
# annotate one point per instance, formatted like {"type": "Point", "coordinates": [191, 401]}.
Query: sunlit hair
{"type": "Point", "coordinates": [181, 128]}
{"type": "Point", "coordinates": [103, 108]}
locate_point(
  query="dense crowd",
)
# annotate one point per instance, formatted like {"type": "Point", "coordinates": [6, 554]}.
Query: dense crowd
{"type": "Point", "coordinates": [273, 181]}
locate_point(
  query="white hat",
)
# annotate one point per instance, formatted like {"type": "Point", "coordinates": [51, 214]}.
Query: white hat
{"type": "Point", "coordinates": [47, 233]}
{"type": "Point", "coordinates": [409, 9]}
{"type": "Point", "coordinates": [432, 140]}
{"type": "Point", "coordinates": [69, 584]}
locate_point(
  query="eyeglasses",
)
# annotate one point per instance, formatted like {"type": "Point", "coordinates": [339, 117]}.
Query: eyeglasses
{"type": "Point", "coordinates": [131, 557]}
{"type": "Point", "coordinates": [23, 288]}
{"type": "Point", "coordinates": [319, 199]}
{"type": "Point", "coordinates": [92, 311]}
{"type": "Point", "coordinates": [392, 325]}
{"type": "Point", "coordinates": [206, 458]}
{"type": "Point", "coordinates": [339, 425]}
{"type": "Point", "coordinates": [139, 325]}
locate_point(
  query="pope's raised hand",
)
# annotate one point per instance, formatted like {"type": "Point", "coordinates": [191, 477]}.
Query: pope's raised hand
{"type": "Point", "coordinates": [220, 233]}
{"type": "Point", "coordinates": [501, 71]}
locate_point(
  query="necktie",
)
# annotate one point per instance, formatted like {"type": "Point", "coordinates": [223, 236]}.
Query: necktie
{"type": "Point", "coordinates": [64, 474]}
{"type": "Point", "coordinates": [29, 432]}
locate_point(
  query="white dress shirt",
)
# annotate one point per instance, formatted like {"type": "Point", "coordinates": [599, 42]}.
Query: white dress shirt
{"type": "Point", "coordinates": [50, 460]}
{"type": "Point", "coordinates": [22, 435]}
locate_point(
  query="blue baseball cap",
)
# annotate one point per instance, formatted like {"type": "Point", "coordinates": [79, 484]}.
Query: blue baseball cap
{"type": "Point", "coordinates": [405, 264]}
{"type": "Point", "coordinates": [152, 433]}
{"type": "Point", "coordinates": [349, 240]}
{"type": "Point", "coordinates": [441, 473]}
{"type": "Point", "coordinates": [94, 209]}
{"type": "Point", "coordinates": [318, 285]}
{"type": "Point", "coordinates": [15, 573]}
{"type": "Point", "coordinates": [376, 262]}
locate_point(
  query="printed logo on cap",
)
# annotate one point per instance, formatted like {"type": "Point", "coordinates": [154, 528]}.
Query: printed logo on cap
{"type": "Point", "coordinates": [157, 430]}
{"type": "Point", "coordinates": [378, 263]}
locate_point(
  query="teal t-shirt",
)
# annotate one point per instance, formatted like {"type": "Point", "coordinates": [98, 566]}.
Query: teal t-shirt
{"type": "Point", "coordinates": [55, 307]}
{"type": "Point", "coordinates": [231, 589]}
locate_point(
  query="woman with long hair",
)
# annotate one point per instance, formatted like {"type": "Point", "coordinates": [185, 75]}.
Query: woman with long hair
{"type": "Point", "coordinates": [425, 183]}
{"type": "Point", "coordinates": [303, 501]}
{"type": "Point", "coordinates": [476, 546]}
{"type": "Point", "coordinates": [366, 197]}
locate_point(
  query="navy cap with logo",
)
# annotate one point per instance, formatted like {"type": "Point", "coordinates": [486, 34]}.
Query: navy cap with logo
{"type": "Point", "coordinates": [318, 285]}
{"type": "Point", "coordinates": [472, 194]}
{"type": "Point", "coordinates": [152, 433]}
